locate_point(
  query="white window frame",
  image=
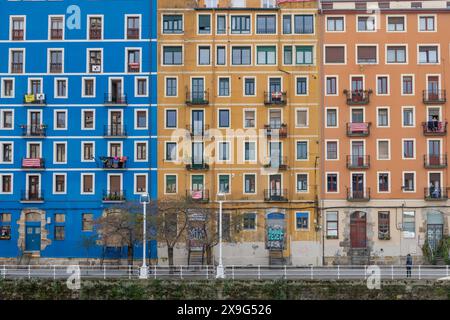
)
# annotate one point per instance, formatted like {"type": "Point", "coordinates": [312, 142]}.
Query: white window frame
{"type": "Point", "coordinates": [413, 84]}
{"type": "Point", "coordinates": [135, 183]}
{"type": "Point", "coordinates": [218, 86]}
{"type": "Point", "coordinates": [126, 26]}
{"type": "Point", "coordinates": [337, 117]}
{"type": "Point", "coordinates": [49, 26]}
{"type": "Point", "coordinates": [307, 149]}
{"type": "Point", "coordinates": [126, 59]}
{"type": "Point", "coordinates": [55, 119]}
{"type": "Point", "coordinates": [165, 183]}
{"type": "Point", "coordinates": [335, 16]}
{"type": "Point", "coordinates": [1, 183]}
{"type": "Point", "coordinates": [49, 50]}
{"type": "Point", "coordinates": [55, 86]}
{"type": "Point", "coordinates": [415, 182]}
{"type": "Point", "coordinates": [135, 150]}
{"type": "Point", "coordinates": [325, 46]}
{"type": "Point", "coordinates": [136, 119]}
{"type": "Point", "coordinates": [307, 182]}
{"type": "Point", "coordinates": [388, 84]}
{"type": "Point", "coordinates": [82, 119]}
{"type": "Point", "coordinates": [2, 95]}
{"type": "Point", "coordinates": [378, 181]}
{"type": "Point", "coordinates": [243, 151]}
{"type": "Point", "coordinates": [388, 116]}
{"type": "Point", "coordinates": [378, 149]}
{"type": "Point", "coordinates": [136, 93]}
{"type": "Point", "coordinates": [337, 182]}
{"type": "Point", "coordinates": [414, 116]}
{"type": "Point", "coordinates": [405, 22]}
{"type": "Point", "coordinates": [82, 151]}
{"type": "Point", "coordinates": [427, 15]}
{"type": "Point", "coordinates": [83, 174]}
{"type": "Point", "coordinates": [414, 148]}
{"type": "Point", "coordinates": [54, 182]}
{"type": "Point", "coordinates": [307, 118]}
{"type": "Point", "coordinates": [55, 143]}
{"type": "Point", "coordinates": [88, 18]}
{"type": "Point", "coordinates": [229, 181]}
{"type": "Point", "coordinates": [24, 17]}
{"type": "Point", "coordinates": [2, 115]}
{"type": "Point", "coordinates": [309, 221]}
{"type": "Point", "coordinates": [88, 71]}
{"type": "Point", "coordinates": [243, 183]}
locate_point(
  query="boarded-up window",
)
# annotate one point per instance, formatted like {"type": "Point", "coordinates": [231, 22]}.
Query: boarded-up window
{"type": "Point", "coordinates": [141, 183]}
{"type": "Point", "coordinates": [335, 54]}
{"type": "Point", "coordinates": [88, 182]}
{"type": "Point", "coordinates": [383, 150]}
{"type": "Point", "coordinates": [367, 54]}
{"type": "Point", "coordinates": [302, 118]}
{"type": "Point", "coordinates": [60, 218]}
{"type": "Point", "coordinates": [87, 222]}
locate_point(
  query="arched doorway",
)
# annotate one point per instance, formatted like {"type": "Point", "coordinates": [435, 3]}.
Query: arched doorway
{"type": "Point", "coordinates": [32, 231]}
{"type": "Point", "coordinates": [358, 229]}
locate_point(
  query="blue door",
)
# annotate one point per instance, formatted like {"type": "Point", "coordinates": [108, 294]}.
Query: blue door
{"type": "Point", "coordinates": [33, 237]}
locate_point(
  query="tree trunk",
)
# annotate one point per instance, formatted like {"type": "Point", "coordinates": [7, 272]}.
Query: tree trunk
{"type": "Point", "coordinates": [130, 255]}
{"type": "Point", "coordinates": [170, 256]}
{"type": "Point", "coordinates": [208, 250]}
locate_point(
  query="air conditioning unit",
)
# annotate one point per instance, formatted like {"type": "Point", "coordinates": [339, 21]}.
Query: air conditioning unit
{"type": "Point", "coordinates": [96, 68]}
{"type": "Point", "coordinates": [40, 96]}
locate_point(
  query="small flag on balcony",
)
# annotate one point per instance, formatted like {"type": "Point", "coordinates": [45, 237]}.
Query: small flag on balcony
{"type": "Point", "coordinates": [133, 65]}
{"type": "Point", "coordinates": [29, 98]}
{"type": "Point", "coordinates": [31, 162]}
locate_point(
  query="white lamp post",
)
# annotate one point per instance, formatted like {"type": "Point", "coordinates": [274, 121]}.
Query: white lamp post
{"type": "Point", "coordinates": [143, 272]}
{"type": "Point", "coordinates": [220, 274]}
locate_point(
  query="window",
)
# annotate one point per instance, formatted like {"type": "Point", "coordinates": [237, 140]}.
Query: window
{"type": "Point", "coordinates": [61, 88]}
{"type": "Point", "coordinates": [249, 119]}
{"type": "Point", "coordinates": [249, 221]}
{"type": "Point", "coordinates": [204, 55]}
{"type": "Point", "coordinates": [171, 151]}
{"type": "Point", "coordinates": [60, 233]}
{"type": "Point", "coordinates": [60, 119]}
{"type": "Point", "coordinates": [409, 224]}
{"type": "Point", "coordinates": [302, 182]}
{"type": "Point", "coordinates": [302, 220]}
{"type": "Point", "coordinates": [332, 182]}
{"type": "Point", "coordinates": [249, 151]}
{"type": "Point", "coordinates": [428, 54]}
{"type": "Point", "coordinates": [87, 222]}
{"type": "Point", "coordinates": [332, 224]}
{"type": "Point", "coordinates": [396, 24]}
{"type": "Point", "coordinates": [141, 119]}
{"type": "Point", "coordinates": [204, 23]}
{"type": "Point", "coordinates": [88, 119]}
{"type": "Point", "coordinates": [221, 56]}
{"type": "Point", "coordinates": [224, 183]}
{"type": "Point", "coordinates": [87, 181]}
{"type": "Point", "coordinates": [141, 87]}
{"type": "Point", "coordinates": [396, 54]}
{"type": "Point", "coordinates": [249, 89]}
{"type": "Point", "coordinates": [6, 183]}
{"type": "Point", "coordinates": [224, 87]}
{"type": "Point", "coordinates": [56, 61]}
{"type": "Point", "coordinates": [335, 24]}
{"type": "Point", "coordinates": [171, 119]}
{"type": "Point", "coordinates": [304, 54]}
{"type": "Point", "coordinates": [240, 24]}
{"type": "Point", "coordinates": [173, 23]}
{"type": "Point", "coordinates": [335, 54]}
{"type": "Point", "coordinates": [303, 24]}
{"type": "Point", "coordinates": [301, 118]}
{"type": "Point", "coordinates": [171, 183]}
{"type": "Point", "coordinates": [224, 118]}
{"type": "Point", "coordinates": [60, 153]}
{"type": "Point", "coordinates": [6, 119]}
{"type": "Point", "coordinates": [60, 183]}
{"type": "Point", "coordinates": [7, 88]}
{"type": "Point", "coordinates": [95, 61]}
{"type": "Point", "coordinates": [221, 24]}
{"type": "Point", "coordinates": [408, 117]}
{"type": "Point", "coordinates": [383, 182]}
{"type": "Point", "coordinates": [427, 23]}
{"type": "Point", "coordinates": [266, 24]}
{"type": "Point", "coordinates": [366, 23]}
{"type": "Point", "coordinates": [249, 183]}
{"type": "Point", "coordinates": [383, 150]}
{"type": "Point", "coordinates": [5, 227]}
{"type": "Point", "coordinates": [141, 151]}
{"type": "Point", "coordinates": [331, 85]}
{"type": "Point", "coordinates": [408, 149]}
{"type": "Point", "coordinates": [287, 24]}
{"type": "Point", "coordinates": [133, 25]}
{"type": "Point", "coordinates": [367, 54]}
{"type": "Point", "coordinates": [133, 60]}
{"type": "Point", "coordinates": [171, 87]}
{"type": "Point", "coordinates": [224, 151]}
{"type": "Point", "coordinates": [302, 150]}
{"type": "Point", "coordinates": [382, 85]}
{"type": "Point", "coordinates": [140, 183]}
{"type": "Point", "coordinates": [383, 117]}
{"type": "Point", "coordinates": [95, 28]}
{"type": "Point", "coordinates": [17, 61]}
{"type": "Point", "coordinates": [89, 87]}
{"type": "Point", "coordinates": [383, 225]}
{"type": "Point", "coordinates": [6, 152]}
{"type": "Point", "coordinates": [241, 56]}
{"type": "Point", "coordinates": [302, 86]}
{"type": "Point", "coordinates": [332, 153]}
{"type": "Point", "coordinates": [266, 55]}
{"type": "Point", "coordinates": [407, 85]}
{"type": "Point", "coordinates": [408, 181]}
{"type": "Point", "coordinates": [88, 151]}
{"type": "Point", "coordinates": [287, 55]}
{"type": "Point", "coordinates": [17, 28]}
{"type": "Point", "coordinates": [173, 55]}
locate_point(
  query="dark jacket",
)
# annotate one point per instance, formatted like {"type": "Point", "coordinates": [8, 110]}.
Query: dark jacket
{"type": "Point", "coordinates": [409, 261]}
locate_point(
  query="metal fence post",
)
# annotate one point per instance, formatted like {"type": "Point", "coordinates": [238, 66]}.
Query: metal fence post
{"type": "Point", "coordinates": [285, 272]}
{"type": "Point", "coordinates": [232, 271]}
{"type": "Point", "coordinates": [420, 273]}
{"type": "Point", "coordinates": [129, 272]}
{"type": "Point", "coordinates": [207, 271]}
{"type": "Point", "coordinates": [392, 272]}
{"type": "Point", "coordinates": [259, 272]}
{"type": "Point", "coordinates": [338, 272]}
{"type": "Point", "coordinates": [181, 272]}
{"type": "Point", "coordinates": [54, 272]}
{"type": "Point", "coordinates": [365, 272]}
{"type": "Point", "coordinates": [29, 272]}
{"type": "Point", "coordinates": [104, 272]}
{"type": "Point", "coordinates": [155, 272]}
{"type": "Point", "coordinates": [312, 272]}
{"type": "Point", "coordinates": [446, 271]}
{"type": "Point", "coordinates": [4, 271]}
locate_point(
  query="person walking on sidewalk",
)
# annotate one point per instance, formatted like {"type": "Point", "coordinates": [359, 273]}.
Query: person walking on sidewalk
{"type": "Point", "coordinates": [408, 265]}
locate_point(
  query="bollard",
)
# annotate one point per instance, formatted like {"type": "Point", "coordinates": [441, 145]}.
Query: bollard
{"type": "Point", "coordinates": [104, 272]}
{"type": "Point", "coordinates": [446, 267]}
{"type": "Point", "coordinates": [155, 272]}
{"type": "Point", "coordinates": [420, 274]}
{"type": "Point", "coordinates": [129, 272]}
{"type": "Point", "coordinates": [365, 272]}
{"type": "Point", "coordinates": [4, 271]}
{"type": "Point", "coordinates": [285, 272]}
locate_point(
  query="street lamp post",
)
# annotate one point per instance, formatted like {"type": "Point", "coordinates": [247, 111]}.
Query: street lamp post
{"type": "Point", "coordinates": [220, 274]}
{"type": "Point", "coordinates": [143, 272]}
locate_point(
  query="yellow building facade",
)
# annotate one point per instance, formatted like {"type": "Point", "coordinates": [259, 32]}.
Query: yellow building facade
{"type": "Point", "coordinates": [238, 110]}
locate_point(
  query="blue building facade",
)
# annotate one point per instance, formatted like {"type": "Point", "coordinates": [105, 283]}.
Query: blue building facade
{"type": "Point", "coordinates": [78, 120]}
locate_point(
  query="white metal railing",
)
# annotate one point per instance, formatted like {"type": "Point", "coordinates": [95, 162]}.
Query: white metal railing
{"type": "Point", "coordinates": [234, 272]}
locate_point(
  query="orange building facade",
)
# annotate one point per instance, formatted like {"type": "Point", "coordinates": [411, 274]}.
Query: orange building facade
{"type": "Point", "coordinates": [385, 174]}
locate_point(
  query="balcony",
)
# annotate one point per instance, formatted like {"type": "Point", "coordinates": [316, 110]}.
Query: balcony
{"type": "Point", "coordinates": [275, 195]}
{"type": "Point", "coordinates": [197, 164]}
{"type": "Point", "coordinates": [436, 194]}
{"type": "Point", "coordinates": [16, 67]}
{"type": "Point", "coordinates": [34, 99]}
{"type": "Point", "coordinates": [56, 34]}
{"type": "Point", "coordinates": [275, 98]}
{"type": "Point", "coordinates": [198, 195]}
{"type": "Point", "coordinates": [17, 34]}
{"type": "Point", "coordinates": [132, 33]}
{"type": "Point", "coordinates": [56, 67]}
{"type": "Point", "coordinates": [276, 163]}
{"type": "Point", "coordinates": [435, 161]}
{"type": "Point", "coordinates": [358, 97]}
{"type": "Point", "coordinates": [197, 98]}
{"type": "Point", "coordinates": [276, 130]}
{"type": "Point", "coordinates": [358, 129]}
{"type": "Point", "coordinates": [434, 128]}
{"type": "Point", "coordinates": [434, 96]}
{"type": "Point", "coordinates": [116, 131]}
{"type": "Point", "coordinates": [358, 162]}
{"type": "Point", "coordinates": [198, 131]}
{"type": "Point", "coordinates": [115, 99]}
{"type": "Point", "coordinates": [362, 194]}
{"type": "Point", "coordinates": [32, 196]}
{"type": "Point", "coordinates": [34, 131]}
{"type": "Point", "coordinates": [33, 163]}
{"type": "Point", "coordinates": [95, 34]}
{"type": "Point", "coordinates": [114, 162]}
{"type": "Point", "coordinates": [113, 196]}
{"type": "Point", "coordinates": [134, 67]}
